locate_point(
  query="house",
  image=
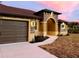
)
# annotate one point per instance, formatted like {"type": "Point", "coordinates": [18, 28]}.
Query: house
{"type": "Point", "coordinates": [20, 25]}
{"type": "Point", "coordinates": [63, 27]}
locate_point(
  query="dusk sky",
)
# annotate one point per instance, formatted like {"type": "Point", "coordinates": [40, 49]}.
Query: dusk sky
{"type": "Point", "coordinates": [69, 9]}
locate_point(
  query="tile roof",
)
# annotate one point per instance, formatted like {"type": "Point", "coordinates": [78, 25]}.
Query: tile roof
{"type": "Point", "coordinates": [60, 21]}
{"type": "Point", "coordinates": [14, 11]}
{"type": "Point", "coordinates": [47, 10]}
{"type": "Point", "coordinates": [17, 11]}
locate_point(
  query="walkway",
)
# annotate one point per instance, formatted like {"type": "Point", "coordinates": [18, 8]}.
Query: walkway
{"type": "Point", "coordinates": [23, 50]}
{"type": "Point", "coordinates": [47, 41]}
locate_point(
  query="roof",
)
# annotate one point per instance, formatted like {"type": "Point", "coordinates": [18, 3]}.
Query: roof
{"type": "Point", "coordinates": [17, 11]}
{"type": "Point", "coordinates": [49, 11]}
{"type": "Point", "coordinates": [77, 23]}
{"type": "Point", "coordinates": [60, 21]}
{"type": "Point", "coordinates": [14, 11]}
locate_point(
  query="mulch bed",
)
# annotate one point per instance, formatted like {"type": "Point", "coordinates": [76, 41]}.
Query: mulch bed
{"type": "Point", "coordinates": [39, 39]}
{"type": "Point", "coordinates": [64, 47]}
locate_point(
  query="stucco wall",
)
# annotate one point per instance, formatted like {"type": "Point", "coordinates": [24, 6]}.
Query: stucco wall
{"type": "Point", "coordinates": [34, 33]}
{"type": "Point", "coordinates": [41, 28]}
{"type": "Point", "coordinates": [63, 30]}
{"type": "Point", "coordinates": [30, 34]}
{"type": "Point", "coordinates": [48, 16]}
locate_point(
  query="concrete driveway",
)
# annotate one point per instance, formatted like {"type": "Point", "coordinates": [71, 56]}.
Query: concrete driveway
{"type": "Point", "coordinates": [23, 50]}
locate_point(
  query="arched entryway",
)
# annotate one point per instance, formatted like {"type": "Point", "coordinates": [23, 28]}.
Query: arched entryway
{"type": "Point", "coordinates": [51, 27]}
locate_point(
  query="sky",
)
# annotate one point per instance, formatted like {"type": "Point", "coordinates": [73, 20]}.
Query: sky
{"type": "Point", "coordinates": [69, 9]}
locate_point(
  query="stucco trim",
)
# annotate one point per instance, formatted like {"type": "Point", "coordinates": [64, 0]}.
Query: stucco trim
{"type": "Point", "coordinates": [12, 18]}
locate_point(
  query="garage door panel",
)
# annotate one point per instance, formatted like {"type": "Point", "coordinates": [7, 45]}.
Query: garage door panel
{"type": "Point", "coordinates": [11, 41]}
{"type": "Point", "coordinates": [11, 22]}
{"type": "Point", "coordinates": [13, 31]}
{"type": "Point", "coordinates": [12, 38]}
{"type": "Point", "coordinates": [16, 36]}
{"type": "Point", "coordinates": [13, 27]}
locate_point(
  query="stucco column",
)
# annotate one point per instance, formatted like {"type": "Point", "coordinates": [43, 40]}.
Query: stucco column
{"type": "Point", "coordinates": [57, 28]}
{"type": "Point", "coordinates": [44, 28]}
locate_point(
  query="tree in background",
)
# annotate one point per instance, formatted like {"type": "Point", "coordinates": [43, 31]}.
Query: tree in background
{"type": "Point", "coordinates": [73, 27]}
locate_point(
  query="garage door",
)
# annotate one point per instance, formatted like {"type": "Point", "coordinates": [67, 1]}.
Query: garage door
{"type": "Point", "coordinates": [13, 31]}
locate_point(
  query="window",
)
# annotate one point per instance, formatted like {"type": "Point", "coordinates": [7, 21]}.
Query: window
{"type": "Point", "coordinates": [62, 26]}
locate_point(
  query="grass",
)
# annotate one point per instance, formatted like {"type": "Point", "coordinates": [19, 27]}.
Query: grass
{"type": "Point", "coordinates": [64, 46]}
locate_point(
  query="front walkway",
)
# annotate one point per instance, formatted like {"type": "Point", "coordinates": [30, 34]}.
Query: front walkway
{"type": "Point", "coordinates": [51, 39]}
{"type": "Point", "coordinates": [23, 50]}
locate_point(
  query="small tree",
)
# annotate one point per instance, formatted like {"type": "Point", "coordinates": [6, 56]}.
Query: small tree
{"type": "Point", "coordinates": [74, 27]}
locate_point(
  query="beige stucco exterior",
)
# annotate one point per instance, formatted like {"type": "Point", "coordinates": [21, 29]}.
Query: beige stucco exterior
{"type": "Point", "coordinates": [63, 30]}
{"type": "Point", "coordinates": [49, 23]}
{"type": "Point", "coordinates": [30, 34]}
{"type": "Point", "coordinates": [36, 31]}
{"type": "Point", "coordinates": [36, 23]}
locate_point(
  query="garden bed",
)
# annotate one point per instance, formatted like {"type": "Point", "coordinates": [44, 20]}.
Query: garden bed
{"type": "Point", "coordinates": [39, 39]}
{"type": "Point", "coordinates": [64, 46]}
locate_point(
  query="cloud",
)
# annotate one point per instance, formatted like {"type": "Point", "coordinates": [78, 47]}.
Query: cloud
{"type": "Point", "coordinates": [75, 13]}
{"type": "Point", "coordinates": [63, 17]}
{"type": "Point", "coordinates": [65, 7]}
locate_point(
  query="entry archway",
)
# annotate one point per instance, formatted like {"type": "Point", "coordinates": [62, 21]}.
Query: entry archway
{"type": "Point", "coordinates": [51, 27]}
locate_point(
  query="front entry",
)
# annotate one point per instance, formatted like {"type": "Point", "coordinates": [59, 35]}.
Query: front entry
{"type": "Point", "coordinates": [51, 29]}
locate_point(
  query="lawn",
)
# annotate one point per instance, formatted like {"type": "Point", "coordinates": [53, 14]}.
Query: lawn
{"type": "Point", "coordinates": [64, 46]}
